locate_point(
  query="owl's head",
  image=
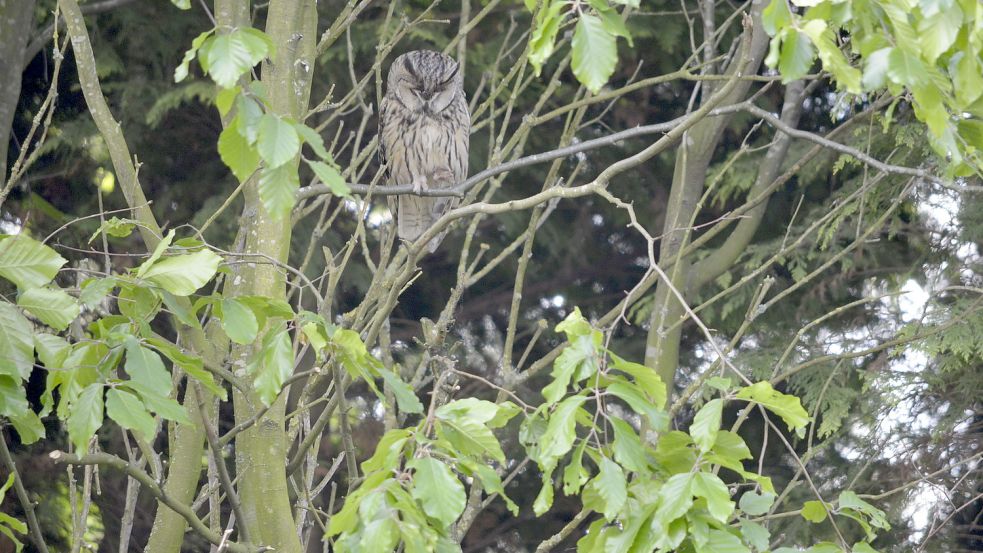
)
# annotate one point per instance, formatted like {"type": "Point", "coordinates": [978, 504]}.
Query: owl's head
{"type": "Point", "coordinates": [425, 80]}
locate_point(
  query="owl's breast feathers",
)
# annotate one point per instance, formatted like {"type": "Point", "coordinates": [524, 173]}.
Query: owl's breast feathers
{"type": "Point", "coordinates": [425, 147]}
{"type": "Point", "coordinates": [428, 150]}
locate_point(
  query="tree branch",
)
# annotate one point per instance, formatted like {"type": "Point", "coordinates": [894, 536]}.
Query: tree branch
{"type": "Point", "coordinates": [105, 459]}
{"type": "Point", "coordinates": [25, 500]}
{"type": "Point", "coordinates": [38, 43]}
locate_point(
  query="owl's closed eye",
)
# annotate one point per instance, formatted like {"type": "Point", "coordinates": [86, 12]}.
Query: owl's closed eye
{"type": "Point", "coordinates": [427, 81]}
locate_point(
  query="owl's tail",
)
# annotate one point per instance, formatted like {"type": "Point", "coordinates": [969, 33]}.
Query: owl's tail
{"type": "Point", "coordinates": [415, 215]}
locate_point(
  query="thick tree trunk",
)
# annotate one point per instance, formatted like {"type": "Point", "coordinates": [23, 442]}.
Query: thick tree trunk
{"type": "Point", "coordinates": [689, 179]}
{"type": "Point", "coordinates": [16, 25]}
{"type": "Point", "coordinates": [261, 450]}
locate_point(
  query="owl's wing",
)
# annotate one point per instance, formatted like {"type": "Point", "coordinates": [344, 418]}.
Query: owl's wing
{"type": "Point", "coordinates": [383, 149]}
{"type": "Point", "coordinates": [459, 148]}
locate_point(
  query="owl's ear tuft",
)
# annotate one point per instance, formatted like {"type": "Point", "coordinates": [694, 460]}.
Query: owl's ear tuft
{"type": "Point", "coordinates": [410, 68]}
{"type": "Point", "coordinates": [453, 73]}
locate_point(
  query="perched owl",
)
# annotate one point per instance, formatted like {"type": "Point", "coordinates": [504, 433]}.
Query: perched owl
{"type": "Point", "coordinates": [424, 131]}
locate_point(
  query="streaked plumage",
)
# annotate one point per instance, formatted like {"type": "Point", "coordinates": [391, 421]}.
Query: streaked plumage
{"type": "Point", "coordinates": [424, 130]}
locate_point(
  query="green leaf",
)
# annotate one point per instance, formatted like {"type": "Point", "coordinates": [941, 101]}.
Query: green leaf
{"type": "Point", "coordinates": [822, 36]}
{"type": "Point", "coordinates": [182, 4]}
{"type": "Point", "coordinates": [16, 343]}
{"type": "Point", "coordinates": [346, 519]}
{"type": "Point", "coordinates": [788, 407]}
{"type": "Point", "coordinates": [722, 542]}
{"type": "Point", "coordinates": [315, 335]}
{"type": "Point", "coordinates": [120, 228]}
{"type": "Point", "coordinates": [627, 446]}
{"type": "Point", "coordinates": [608, 490]}
{"type": "Point", "coordinates": [182, 275]}
{"type": "Point", "coordinates": [639, 404]}
{"type": "Point", "coordinates": [146, 369]}
{"type": "Point", "coordinates": [646, 377]}
{"type": "Point", "coordinates": [29, 427]}
{"type": "Point", "coordinates": [181, 71]}
{"type": "Point", "coordinates": [595, 537]}
{"type": "Point", "coordinates": [875, 69]}
{"type": "Point", "coordinates": [85, 417]}
{"type": "Point", "coordinates": [277, 189]}
{"type": "Point", "coordinates": [491, 482]}
{"type": "Point", "coordinates": [332, 177]}
{"type": "Point", "coordinates": [157, 253]}
{"type": "Point", "coordinates": [863, 547]}
{"type": "Point", "coordinates": [437, 489]}
{"type": "Point", "coordinates": [181, 310]}
{"type": "Point", "coordinates": [611, 20]}
{"type": "Point", "coordinates": [825, 547]}
{"type": "Point", "coordinates": [405, 396]}
{"type": "Point", "coordinates": [471, 438]}
{"type": "Point", "coordinates": [232, 54]}
{"type": "Point", "coordinates": [380, 534]}
{"type": "Point", "coordinates": [543, 38]}
{"type": "Point", "coordinates": [8, 520]}
{"type": "Point", "coordinates": [94, 290]}
{"type": "Point", "coordinates": [579, 353]}
{"type": "Point", "coordinates": [544, 499]}
{"type": "Point", "coordinates": [559, 435]}
{"type": "Point", "coordinates": [905, 68]}
{"type": "Point", "coordinates": [814, 511]}
{"type": "Point", "coordinates": [574, 475]}
{"type": "Point", "coordinates": [138, 302]}
{"type": "Point", "coordinates": [277, 140]}
{"type": "Point", "coordinates": [505, 412]}
{"type": "Point", "coordinates": [189, 364]}
{"type": "Point", "coordinates": [239, 321]}
{"type": "Point", "coordinates": [721, 383]}
{"type": "Point", "coordinates": [850, 500]}
{"type": "Point", "coordinates": [575, 325]}
{"type": "Point", "coordinates": [636, 532]}
{"type": "Point", "coordinates": [796, 55]}
{"type": "Point", "coordinates": [776, 17]}
{"type": "Point", "coordinates": [27, 262]}
{"type": "Point", "coordinates": [706, 424]}
{"type": "Point", "coordinates": [755, 504]}
{"type": "Point", "coordinates": [755, 535]}
{"type": "Point", "coordinates": [18, 545]}
{"type": "Point", "coordinates": [129, 412]}
{"type": "Point", "coordinates": [52, 350]}
{"type": "Point", "coordinates": [938, 32]}
{"type": "Point", "coordinates": [259, 44]}
{"type": "Point", "coordinates": [731, 446]}
{"type": "Point", "coordinates": [595, 53]}
{"type": "Point", "coordinates": [236, 153]}
{"type": "Point", "coordinates": [13, 396]}
{"type": "Point", "coordinates": [225, 99]}
{"type": "Point", "coordinates": [248, 115]}
{"type": "Point", "coordinates": [54, 307]}
{"type": "Point", "coordinates": [967, 80]}
{"type": "Point", "coordinates": [478, 410]}
{"type": "Point", "coordinates": [710, 487]}
{"type": "Point", "coordinates": [674, 452]}
{"type": "Point", "coordinates": [163, 405]}
{"type": "Point", "coordinates": [273, 364]}
{"type": "Point", "coordinates": [675, 497]}
{"type": "Point", "coordinates": [387, 451]}
{"type": "Point", "coordinates": [314, 140]}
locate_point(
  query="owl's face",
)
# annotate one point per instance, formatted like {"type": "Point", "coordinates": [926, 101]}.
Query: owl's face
{"type": "Point", "coordinates": [425, 81]}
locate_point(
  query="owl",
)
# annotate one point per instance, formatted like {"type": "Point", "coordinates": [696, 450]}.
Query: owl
{"type": "Point", "coordinates": [424, 132]}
